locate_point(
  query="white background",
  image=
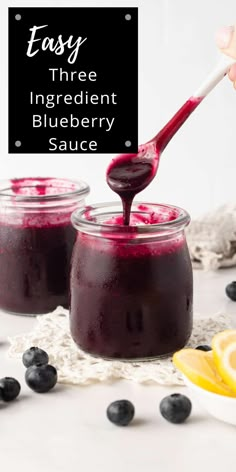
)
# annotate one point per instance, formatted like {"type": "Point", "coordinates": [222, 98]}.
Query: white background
{"type": "Point", "coordinates": [176, 51]}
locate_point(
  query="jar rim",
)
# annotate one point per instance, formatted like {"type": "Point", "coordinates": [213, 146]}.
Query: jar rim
{"type": "Point", "coordinates": [70, 189]}
{"type": "Point", "coordinates": [82, 219]}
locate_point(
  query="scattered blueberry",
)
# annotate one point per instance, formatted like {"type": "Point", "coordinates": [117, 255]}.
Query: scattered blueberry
{"type": "Point", "coordinates": [175, 408]}
{"type": "Point", "coordinates": [204, 347]}
{"type": "Point", "coordinates": [9, 389]}
{"type": "Point", "coordinates": [231, 291]}
{"type": "Point", "coordinates": [41, 378]}
{"type": "Point", "coordinates": [34, 356]}
{"type": "Point", "coordinates": [120, 412]}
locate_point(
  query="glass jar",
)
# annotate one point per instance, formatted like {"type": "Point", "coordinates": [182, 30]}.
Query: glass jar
{"type": "Point", "coordinates": [36, 240]}
{"type": "Point", "coordinates": [131, 286]}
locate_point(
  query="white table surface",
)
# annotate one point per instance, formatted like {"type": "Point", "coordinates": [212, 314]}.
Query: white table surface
{"type": "Point", "coordinates": [67, 429]}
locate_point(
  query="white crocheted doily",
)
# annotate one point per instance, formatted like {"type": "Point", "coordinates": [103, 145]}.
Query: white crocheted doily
{"type": "Point", "coordinates": [212, 239]}
{"type": "Point", "coordinates": [75, 367]}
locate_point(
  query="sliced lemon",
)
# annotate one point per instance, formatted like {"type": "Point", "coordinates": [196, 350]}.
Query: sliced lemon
{"type": "Point", "coordinates": [219, 343]}
{"type": "Point", "coordinates": [199, 367]}
{"type": "Point", "coordinates": [227, 365]}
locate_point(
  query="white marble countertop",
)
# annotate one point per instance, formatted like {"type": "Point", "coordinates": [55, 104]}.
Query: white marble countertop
{"type": "Point", "coordinates": [67, 429]}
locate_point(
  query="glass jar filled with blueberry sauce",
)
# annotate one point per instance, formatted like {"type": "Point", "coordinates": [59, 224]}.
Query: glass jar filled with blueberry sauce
{"type": "Point", "coordinates": [36, 240]}
{"type": "Point", "coordinates": [131, 286]}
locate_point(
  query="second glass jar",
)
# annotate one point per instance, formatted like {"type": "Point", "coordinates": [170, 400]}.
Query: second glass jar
{"type": "Point", "coordinates": [36, 241]}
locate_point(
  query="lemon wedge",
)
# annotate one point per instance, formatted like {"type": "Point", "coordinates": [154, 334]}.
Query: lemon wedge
{"type": "Point", "coordinates": [199, 367]}
{"type": "Point", "coordinates": [227, 365]}
{"type": "Point", "coordinates": [220, 342]}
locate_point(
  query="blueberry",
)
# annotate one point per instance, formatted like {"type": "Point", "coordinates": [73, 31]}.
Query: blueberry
{"type": "Point", "coordinates": [34, 356]}
{"type": "Point", "coordinates": [204, 347]}
{"type": "Point", "coordinates": [41, 378]}
{"type": "Point", "coordinates": [120, 412]}
{"type": "Point", "coordinates": [175, 408]}
{"type": "Point", "coordinates": [9, 389]}
{"type": "Point", "coordinates": [231, 291]}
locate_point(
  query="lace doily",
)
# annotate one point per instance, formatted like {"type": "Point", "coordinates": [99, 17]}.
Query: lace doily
{"type": "Point", "coordinates": [75, 367]}
{"type": "Point", "coordinates": [212, 239]}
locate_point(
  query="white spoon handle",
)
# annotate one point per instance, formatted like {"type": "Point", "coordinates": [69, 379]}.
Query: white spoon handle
{"type": "Point", "coordinates": [215, 76]}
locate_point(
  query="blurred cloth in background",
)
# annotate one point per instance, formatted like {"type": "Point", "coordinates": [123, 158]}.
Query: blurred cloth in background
{"type": "Point", "coordinates": [212, 239]}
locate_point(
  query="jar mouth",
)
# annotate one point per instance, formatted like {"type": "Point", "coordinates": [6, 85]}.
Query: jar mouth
{"type": "Point", "coordinates": [38, 189]}
{"type": "Point", "coordinates": [100, 218]}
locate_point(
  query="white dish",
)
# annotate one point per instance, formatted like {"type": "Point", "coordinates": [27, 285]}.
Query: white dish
{"type": "Point", "coordinates": [221, 407]}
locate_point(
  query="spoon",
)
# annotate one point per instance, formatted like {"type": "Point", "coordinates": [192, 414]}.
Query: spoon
{"type": "Point", "coordinates": [128, 174]}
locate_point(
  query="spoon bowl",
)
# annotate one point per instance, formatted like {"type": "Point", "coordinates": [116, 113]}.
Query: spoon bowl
{"type": "Point", "coordinates": [131, 173]}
